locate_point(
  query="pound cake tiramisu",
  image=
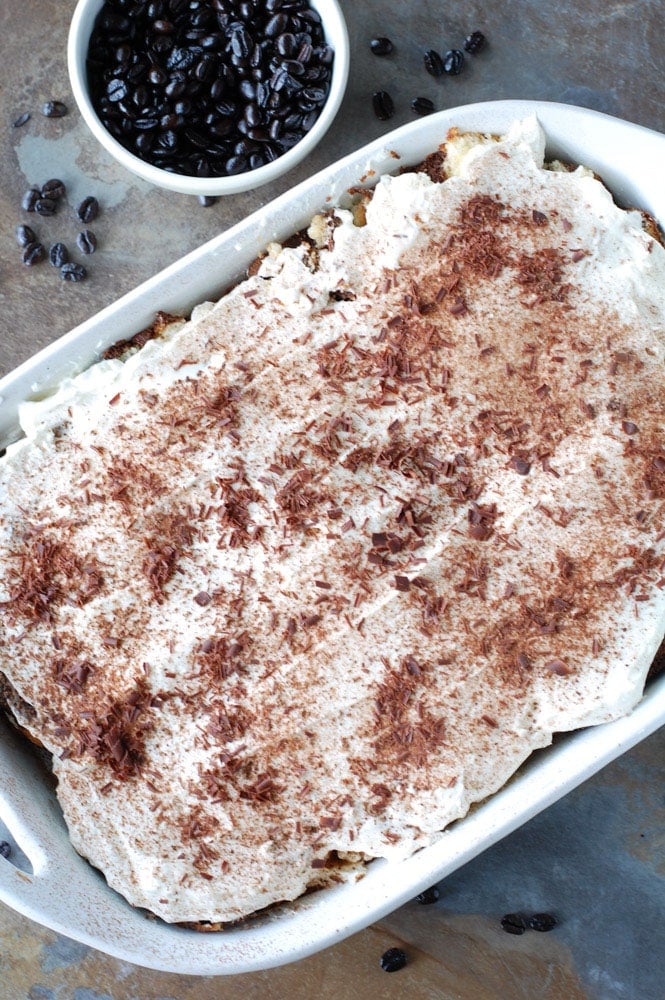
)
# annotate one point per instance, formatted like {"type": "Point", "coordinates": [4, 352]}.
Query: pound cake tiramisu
{"type": "Point", "coordinates": [292, 585]}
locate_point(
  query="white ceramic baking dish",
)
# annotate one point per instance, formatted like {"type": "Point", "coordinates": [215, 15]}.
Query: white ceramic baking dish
{"type": "Point", "coordinates": [56, 887]}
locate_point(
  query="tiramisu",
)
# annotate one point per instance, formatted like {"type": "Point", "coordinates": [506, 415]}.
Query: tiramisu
{"type": "Point", "coordinates": [295, 583]}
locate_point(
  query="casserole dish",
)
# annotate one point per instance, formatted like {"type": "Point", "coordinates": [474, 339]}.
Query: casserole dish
{"type": "Point", "coordinates": [64, 892]}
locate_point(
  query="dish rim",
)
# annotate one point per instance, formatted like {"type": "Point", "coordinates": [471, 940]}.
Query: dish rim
{"type": "Point", "coordinates": [310, 924]}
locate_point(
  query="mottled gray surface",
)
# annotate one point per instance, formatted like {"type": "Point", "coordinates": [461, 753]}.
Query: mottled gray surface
{"type": "Point", "coordinates": [596, 859]}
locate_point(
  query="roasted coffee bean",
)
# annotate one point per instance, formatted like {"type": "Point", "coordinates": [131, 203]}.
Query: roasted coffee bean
{"type": "Point", "coordinates": [236, 165]}
{"type": "Point", "coordinates": [86, 241]}
{"type": "Point", "coordinates": [25, 235]}
{"type": "Point", "coordinates": [21, 120]}
{"type": "Point", "coordinates": [33, 253]}
{"type": "Point", "coordinates": [286, 44]}
{"type": "Point", "coordinates": [513, 923]}
{"type": "Point", "coordinates": [46, 206]}
{"type": "Point", "coordinates": [393, 960]}
{"type": "Point", "coordinates": [453, 62]}
{"type": "Point", "coordinates": [53, 189]}
{"type": "Point", "coordinates": [54, 109]}
{"type": "Point", "coordinates": [30, 199]}
{"type": "Point", "coordinates": [474, 43]}
{"type": "Point", "coordinates": [422, 105]}
{"type": "Point", "coordinates": [381, 46]}
{"type": "Point", "coordinates": [116, 89]}
{"type": "Point", "coordinates": [176, 86]}
{"type": "Point", "coordinates": [5, 849]}
{"type": "Point", "coordinates": [428, 897]}
{"type": "Point", "coordinates": [241, 41]}
{"type": "Point", "coordinates": [276, 26]}
{"type": "Point", "coordinates": [88, 210]}
{"type": "Point", "coordinates": [542, 922]}
{"type": "Point", "coordinates": [58, 254]}
{"type": "Point", "coordinates": [433, 63]}
{"type": "Point", "coordinates": [383, 105]}
{"type": "Point", "coordinates": [73, 272]}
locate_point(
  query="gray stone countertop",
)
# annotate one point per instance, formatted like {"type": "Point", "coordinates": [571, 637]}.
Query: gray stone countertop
{"type": "Point", "coordinates": [597, 858]}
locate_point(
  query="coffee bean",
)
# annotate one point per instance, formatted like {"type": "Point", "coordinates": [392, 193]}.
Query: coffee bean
{"type": "Point", "coordinates": [513, 923]}
{"type": "Point", "coordinates": [73, 272]}
{"type": "Point", "coordinates": [88, 210]}
{"type": "Point", "coordinates": [236, 165]}
{"type": "Point", "coordinates": [53, 189]}
{"type": "Point", "coordinates": [54, 109]}
{"type": "Point", "coordinates": [393, 960]}
{"type": "Point", "coordinates": [30, 199]}
{"type": "Point", "coordinates": [25, 235]}
{"type": "Point", "coordinates": [381, 46]}
{"type": "Point", "coordinates": [474, 43]}
{"type": "Point", "coordinates": [21, 120]}
{"type": "Point", "coordinates": [428, 897]}
{"type": "Point", "coordinates": [286, 44]}
{"type": "Point", "coordinates": [46, 206]}
{"type": "Point", "coordinates": [383, 105]}
{"type": "Point", "coordinates": [453, 62]}
{"type": "Point", "coordinates": [33, 254]}
{"type": "Point", "coordinates": [5, 849]}
{"type": "Point", "coordinates": [86, 241]}
{"type": "Point", "coordinates": [58, 254]}
{"type": "Point", "coordinates": [116, 89]}
{"type": "Point", "coordinates": [433, 63]}
{"type": "Point", "coordinates": [542, 922]}
{"type": "Point", "coordinates": [422, 105]}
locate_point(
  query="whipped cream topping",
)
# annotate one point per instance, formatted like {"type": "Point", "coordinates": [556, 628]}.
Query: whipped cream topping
{"type": "Point", "coordinates": [303, 578]}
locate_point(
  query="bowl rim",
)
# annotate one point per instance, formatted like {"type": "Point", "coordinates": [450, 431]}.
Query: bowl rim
{"type": "Point", "coordinates": [77, 46]}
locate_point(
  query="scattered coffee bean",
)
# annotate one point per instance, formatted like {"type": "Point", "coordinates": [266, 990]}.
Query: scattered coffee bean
{"type": "Point", "coordinates": [428, 896]}
{"type": "Point", "coordinates": [383, 105]}
{"type": "Point", "coordinates": [54, 109]}
{"type": "Point", "coordinates": [513, 923]}
{"type": "Point", "coordinates": [236, 72]}
{"type": "Point", "coordinates": [206, 200]}
{"type": "Point", "coordinates": [88, 210]}
{"type": "Point", "coordinates": [474, 43]}
{"type": "Point", "coordinates": [58, 254]}
{"type": "Point", "coordinates": [86, 241]}
{"type": "Point", "coordinates": [453, 62]}
{"type": "Point", "coordinates": [5, 849]}
{"type": "Point", "coordinates": [33, 254]}
{"type": "Point", "coordinates": [433, 63]}
{"type": "Point", "coordinates": [53, 188]}
{"type": "Point", "coordinates": [25, 235]}
{"type": "Point", "coordinates": [381, 46]}
{"type": "Point", "coordinates": [422, 105]}
{"type": "Point", "coordinates": [30, 199]}
{"type": "Point", "coordinates": [72, 272]}
{"type": "Point", "coordinates": [21, 120]}
{"type": "Point", "coordinates": [45, 206]}
{"type": "Point", "coordinates": [393, 960]}
{"type": "Point", "coordinates": [542, 922]}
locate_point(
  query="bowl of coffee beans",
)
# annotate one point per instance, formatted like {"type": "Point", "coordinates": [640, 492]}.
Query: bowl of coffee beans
{"type": "Point", "coordinates": [208, 97]}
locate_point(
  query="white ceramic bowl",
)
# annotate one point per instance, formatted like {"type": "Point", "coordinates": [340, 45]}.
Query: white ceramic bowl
{"type": "Point", "coordinates": [336, 35]}
{"type": "Point", "coordinates": [58, 888]}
